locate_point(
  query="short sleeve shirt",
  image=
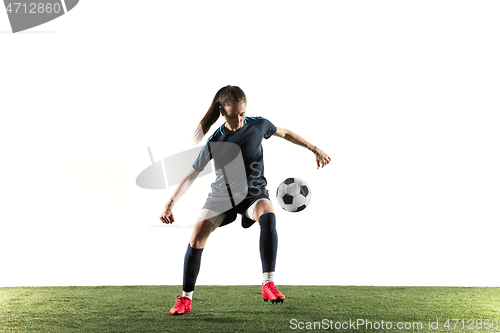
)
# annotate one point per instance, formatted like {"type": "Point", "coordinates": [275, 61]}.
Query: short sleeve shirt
{"type": "Point", "coordinates": [225, 148]}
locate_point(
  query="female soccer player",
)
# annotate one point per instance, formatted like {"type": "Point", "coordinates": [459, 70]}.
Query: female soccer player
{"type": "Point", "coordinates": [239, 188]}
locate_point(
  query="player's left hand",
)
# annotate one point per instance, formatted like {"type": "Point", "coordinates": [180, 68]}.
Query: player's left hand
{"type": "Point", "coordinates": [322, 158]}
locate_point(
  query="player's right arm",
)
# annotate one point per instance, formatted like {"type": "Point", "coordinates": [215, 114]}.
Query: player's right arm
{"type": "Point", "coordinates": [167, 216]}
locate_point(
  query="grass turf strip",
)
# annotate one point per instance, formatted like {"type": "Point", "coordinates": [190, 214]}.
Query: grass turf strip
{"type": "Point", "coordinates": [240, 308]}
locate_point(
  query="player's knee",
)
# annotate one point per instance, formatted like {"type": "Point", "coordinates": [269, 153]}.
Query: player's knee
{"type": "Point", "coordinates": [262, 207]}
{"type": "Point", "coordinates": [198, 243]}
{"type": "Point", "coordinates": [201, 231]}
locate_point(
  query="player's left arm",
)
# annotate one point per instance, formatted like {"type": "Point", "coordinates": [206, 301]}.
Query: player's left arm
{"type": "Point", "coordinates": [322, 158]}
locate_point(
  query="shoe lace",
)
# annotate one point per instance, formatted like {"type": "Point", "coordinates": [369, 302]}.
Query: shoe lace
{"type": "Point", "coordinates": [273, 288]}
{"type": "Point", "coordinates": [181, 300]}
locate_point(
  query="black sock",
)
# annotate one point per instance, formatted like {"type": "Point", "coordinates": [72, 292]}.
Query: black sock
{"type": "Point", "coordinates": [268, 241]}
{"type": "Point", "coordinates": [192, 262]}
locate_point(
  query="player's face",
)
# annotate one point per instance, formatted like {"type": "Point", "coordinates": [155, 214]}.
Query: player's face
{"type": "Point", "coordinates": [235, 115]}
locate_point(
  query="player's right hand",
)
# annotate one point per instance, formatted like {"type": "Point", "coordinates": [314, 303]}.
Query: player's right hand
{"type": "Point", "coordinates": [167, 216]}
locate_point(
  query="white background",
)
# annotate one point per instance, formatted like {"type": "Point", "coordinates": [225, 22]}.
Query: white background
{"type": "Point", "coordinates": [404, 96]}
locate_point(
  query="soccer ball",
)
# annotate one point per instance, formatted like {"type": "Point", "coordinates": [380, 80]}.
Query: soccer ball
{"type": "Point", "coordinates": [293, 194]}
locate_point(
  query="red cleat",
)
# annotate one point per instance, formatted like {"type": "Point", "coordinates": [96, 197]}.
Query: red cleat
{"type": "Point", "coordinates": [270, 292]}
{"type": "Point", "coordinates": [182, 306]}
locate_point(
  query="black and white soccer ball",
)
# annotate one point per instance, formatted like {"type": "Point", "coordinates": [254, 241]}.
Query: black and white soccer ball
{"type": "Point", "coordinates": [293, 194]}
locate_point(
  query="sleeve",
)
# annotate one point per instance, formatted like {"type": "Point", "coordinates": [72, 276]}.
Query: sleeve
{"type": "Point", "coordinates": [269, 129]}
{"type": "Point", "coordinates": [203, 158]}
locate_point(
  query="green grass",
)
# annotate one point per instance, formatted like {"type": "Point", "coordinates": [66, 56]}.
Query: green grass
{"type": "Point", "coordinates": [239, 308]}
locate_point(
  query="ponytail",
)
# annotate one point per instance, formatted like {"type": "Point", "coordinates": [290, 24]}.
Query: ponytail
{"type": "Point", "coordinates": [225, 95]}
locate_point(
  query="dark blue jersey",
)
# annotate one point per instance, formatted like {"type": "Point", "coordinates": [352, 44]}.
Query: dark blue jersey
{"type": "Point", "coordinates": [238, 158]}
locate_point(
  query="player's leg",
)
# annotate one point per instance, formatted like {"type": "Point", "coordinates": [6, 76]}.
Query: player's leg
{"type": "Point", "coordinates": [264, 213]}
{"type": "Point", "coordinates": [203, 227]}
{"type": "Point", "coordinates": [206, 223]}
{"type": "Point", "coordinates": [192, 259]}
{"type": "Point", "coordinates": [262, 206]}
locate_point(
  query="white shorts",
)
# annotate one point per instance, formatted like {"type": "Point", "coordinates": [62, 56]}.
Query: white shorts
{"type": "Point", "coordinates": [217, 219]}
